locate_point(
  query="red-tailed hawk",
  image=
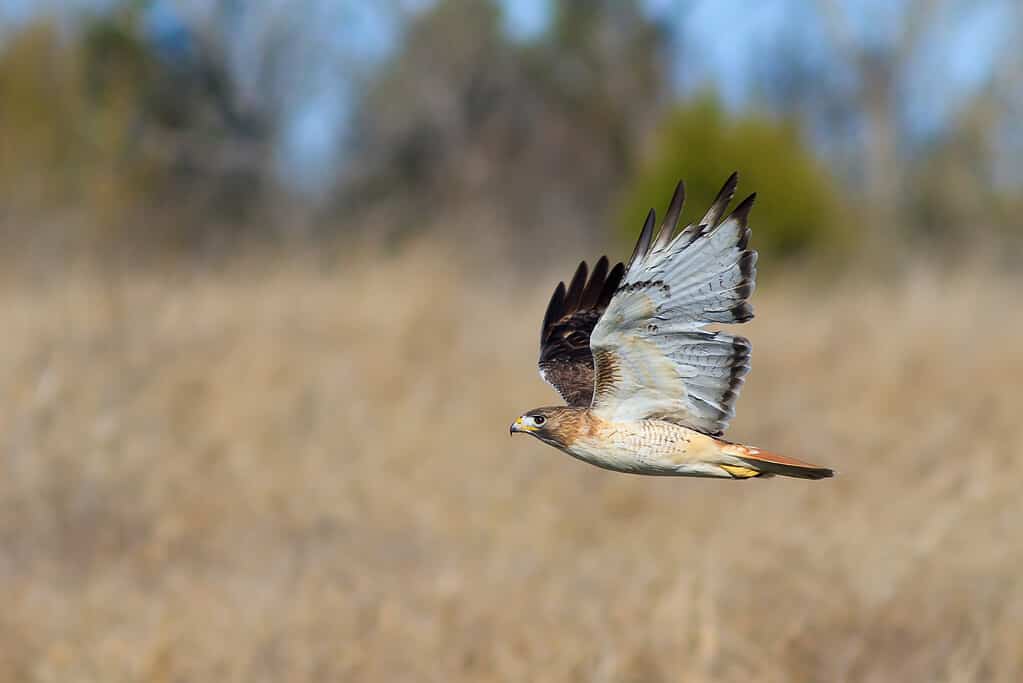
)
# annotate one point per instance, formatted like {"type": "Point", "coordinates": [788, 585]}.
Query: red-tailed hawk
{"type": "Point", "coordinates": [649, 390]}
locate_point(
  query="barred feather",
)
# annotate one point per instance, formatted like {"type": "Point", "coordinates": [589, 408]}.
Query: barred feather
{"type": "Point", "coordinates": [666, 365]}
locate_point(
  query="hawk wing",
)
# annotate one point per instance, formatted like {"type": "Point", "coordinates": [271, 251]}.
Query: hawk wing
{"type": "Point", "coordinates": [652, 356]}
{"type": "Point", "coordinates": [565, 359]}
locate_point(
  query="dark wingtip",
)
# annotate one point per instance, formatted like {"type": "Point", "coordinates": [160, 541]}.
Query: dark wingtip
{"type": "Point", "coordinates": [596, 284]}
{"type": "Point", "coordinates": [555, 307]}
{"type": "Point", "coordinates": [728, 189]}
{"type": "Point", "coordinates": [720, 203]}
{"type": "Point", "coordinates": [670, 221]}
{"type": "Point", "coordinates": [748, 270]}
{"type": "Point", "coordinates": [643, 244]}
{"type": "Point", "coordinates": [741, 312]}
{"type": "Point", "coordinates": [741, 212]}
{"type": "Point", "coordinates": [614, 278]}
{"type": "Point", "coordinates": [575, 288]}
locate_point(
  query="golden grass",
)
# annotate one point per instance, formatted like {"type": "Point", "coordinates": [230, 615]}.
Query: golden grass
{"type": "Point", "coordinates": [268, 475]}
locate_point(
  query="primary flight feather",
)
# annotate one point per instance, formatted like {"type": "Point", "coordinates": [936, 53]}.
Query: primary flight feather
{"type": "Point", "coordinates": [648, 389]}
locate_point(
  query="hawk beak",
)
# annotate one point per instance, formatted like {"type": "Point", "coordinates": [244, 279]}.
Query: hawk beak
{"type": "Point", "coordinates": [518, 426]}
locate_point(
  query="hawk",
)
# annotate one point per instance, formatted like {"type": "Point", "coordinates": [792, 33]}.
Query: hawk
{"type": "Point", "coordinates": [649, 390]}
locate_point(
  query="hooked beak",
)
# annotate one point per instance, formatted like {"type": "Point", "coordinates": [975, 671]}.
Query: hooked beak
{"type": "Point", "coordinates": [520, 426]}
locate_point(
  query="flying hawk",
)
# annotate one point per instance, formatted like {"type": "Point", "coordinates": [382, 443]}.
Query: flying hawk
{"type": "Point", "coordinates": [649, 389]}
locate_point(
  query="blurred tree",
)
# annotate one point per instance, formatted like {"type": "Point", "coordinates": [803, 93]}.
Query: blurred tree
{"type": "Point", "coordinates": [957, 197]}
{"type": "Point", "coordinates": [65, 121]}
{"type": "Point", "coordinates": [173, 123]}
{"type": "Point", "coordinates": [604, 63]}
{"type": "Point", "coordinates": [39, 119]}
{"type": "Point", "coordinates": [464, 120]}
{"type": "Point", "coordinates": [852, 73]}
{"type": "Point", "coordinates": [94, 119]}
{"type": "Point", "coordinates": [798, 208]}
{"type": "Point", "coordinates": [879, 69]}
{"type": "Point", "coordinates": [430, 101]}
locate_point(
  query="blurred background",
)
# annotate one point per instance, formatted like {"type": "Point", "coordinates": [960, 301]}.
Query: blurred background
{"type": "Point", "coordinates": [271, 287]}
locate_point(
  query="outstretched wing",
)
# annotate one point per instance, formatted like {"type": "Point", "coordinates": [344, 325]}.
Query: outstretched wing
{"type": "Point", "coordinates": [565, 359]}
{"type": "Point", "coordinates": [652, 356]}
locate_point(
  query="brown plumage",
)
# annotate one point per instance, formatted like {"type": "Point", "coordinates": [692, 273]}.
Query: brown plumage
{"type": "Point", "coordinates": [649, 390]}
{"type": "Point", "coordinates": [565, 358]}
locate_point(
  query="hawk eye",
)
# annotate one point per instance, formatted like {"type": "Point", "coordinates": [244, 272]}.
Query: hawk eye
{"type": "Point", "coordinates": [538, 420]}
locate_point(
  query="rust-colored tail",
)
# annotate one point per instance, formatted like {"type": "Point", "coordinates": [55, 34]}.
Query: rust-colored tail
{"type": "Point", "coordinates": [754, 462]}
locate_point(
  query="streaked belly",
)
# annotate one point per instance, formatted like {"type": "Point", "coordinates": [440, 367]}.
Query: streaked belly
{"type": "Point", "coordinates": [648, 447]}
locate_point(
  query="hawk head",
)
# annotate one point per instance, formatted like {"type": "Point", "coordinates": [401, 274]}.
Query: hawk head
{"type": "Point", "coordinates": [556, 425]}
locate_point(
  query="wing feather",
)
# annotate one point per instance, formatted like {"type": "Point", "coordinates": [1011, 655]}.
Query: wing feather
{"type": "Point", "coordinates": [595, 286]}
{"type": "Point", "coordinates": [670, 221]}
{"type": "Point", "coordinates": [645, 236]}
{"type": "Point", "coordinates": [653, 357]}
{"type": "Point", "coordinates": [576, 287]}
{"type": "Point", "coordinates": [566, 362]}
{"type": "Point", "coordinates": [720, 203]}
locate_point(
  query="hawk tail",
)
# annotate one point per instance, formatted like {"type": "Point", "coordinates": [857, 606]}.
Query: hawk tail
{"type": "Point", "coordinates": [745, 462]}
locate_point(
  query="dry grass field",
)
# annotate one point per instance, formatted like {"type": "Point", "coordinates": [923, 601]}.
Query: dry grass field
{"type": "Point", "coordinates": [270, 474]}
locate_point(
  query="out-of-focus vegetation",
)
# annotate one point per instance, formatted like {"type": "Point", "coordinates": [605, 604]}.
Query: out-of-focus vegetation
{"type": "Point", "coordinates": [463, 119]}
{"type": "Point", "coordinates": [116, 137]}
{"type": "Point", "coordinates": [272, 276]}
{"type": "Point", "coordinates": [798, 209]}
{"type": "Point", "coordinates": [286, 474]}
{"type": "Point", "coordinates": [66, 112]}
{"type": "Point", "coordinates": [129, 151]}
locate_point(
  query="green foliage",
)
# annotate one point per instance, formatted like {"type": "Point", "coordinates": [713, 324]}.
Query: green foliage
{"type": "Point", "coordinates": [67, 115]}
{"type": "Point", "coordinates": [797, 208]}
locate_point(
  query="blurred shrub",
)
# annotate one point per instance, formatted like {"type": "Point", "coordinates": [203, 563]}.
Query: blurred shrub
{"type": "Point", "coordinates": [68, 103]}
{"type": "Point", "coordinates": [797, 208]}
{"type": "Point", "coordinates": [140, 151]}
